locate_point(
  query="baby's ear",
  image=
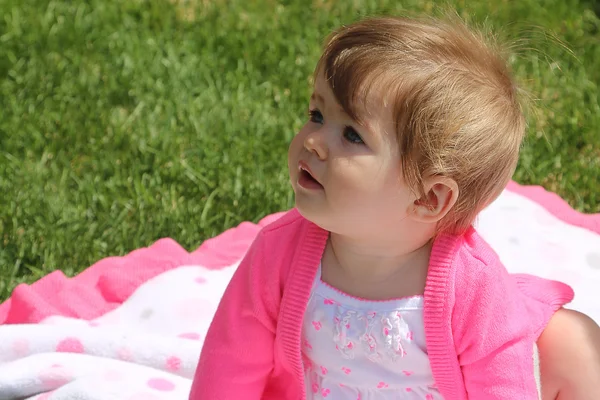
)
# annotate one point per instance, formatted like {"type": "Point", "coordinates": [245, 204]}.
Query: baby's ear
{"type": "Point", "coordinates": [441, 194]}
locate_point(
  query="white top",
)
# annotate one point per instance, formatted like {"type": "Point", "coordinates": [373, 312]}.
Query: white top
{"type": "Point", "coordinates": [359, 349]}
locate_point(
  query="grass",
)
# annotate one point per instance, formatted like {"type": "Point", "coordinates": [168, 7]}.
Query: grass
{"type": "Point", "coordinates": [122, 122]}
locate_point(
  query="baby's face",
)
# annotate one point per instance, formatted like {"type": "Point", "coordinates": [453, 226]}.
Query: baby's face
{"type": "Point", "coordinates": [347, 177]}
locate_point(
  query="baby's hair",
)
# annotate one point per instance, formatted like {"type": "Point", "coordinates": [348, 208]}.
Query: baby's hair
{"type": "Point", "coordinates": [456, 105]}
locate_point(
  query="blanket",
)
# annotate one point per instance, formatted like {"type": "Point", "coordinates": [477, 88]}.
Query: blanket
{"type": "Point", "coordinates": [132, 327]}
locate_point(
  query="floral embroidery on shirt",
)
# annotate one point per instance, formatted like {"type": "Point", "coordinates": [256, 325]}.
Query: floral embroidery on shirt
{"type": "Point", "coordinates": [368, 338]}
{"type": "Point", "coordinates": [307, 344]}
{"type": "Point", "coordinates": [342, 326]}
{"type": "Point", "coordinates": [393, 331]}
{"type": "Point", "coordinates": [329, 301]}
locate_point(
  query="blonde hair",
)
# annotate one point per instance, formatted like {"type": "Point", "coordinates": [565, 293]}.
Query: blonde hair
{"type": "Point", "coordinates": [456, 106]}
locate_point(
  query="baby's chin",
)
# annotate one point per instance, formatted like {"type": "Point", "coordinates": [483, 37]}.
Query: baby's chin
{"type": "Point", "coordinates": [314, 213]}
{"type": "Point", "coordinates": [326, 219]}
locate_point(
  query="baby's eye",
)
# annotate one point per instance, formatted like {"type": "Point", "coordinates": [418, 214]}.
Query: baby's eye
{"type": "Point", "coordinates": [352, 136]}
{"type": "Point", "coordinates": [315, 116]}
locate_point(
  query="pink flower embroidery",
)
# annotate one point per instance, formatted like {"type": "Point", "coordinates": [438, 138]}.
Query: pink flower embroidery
{"type": "Point", "coordinates": [429, 397]}
{"type": "Point", "coordinates": [408, 373]}
{"type": "Point", "coordinates": [315, 388]}
{"type": "Point", "coordinates": [323, 370]}
{"type": "Point", "coordinates": [409, 335]}
{"type": "Point", "coordinates": [325, 392]}
{"type": "Point", "coordinates": [328, 302]}
{"type": "Point", "coordinates": [409, 389]}
{"type": "Point", "coordinates": [317, 325]}
{"type": "Point", "coordinates": [346, 370]}
{"type": "Point", "coordinates": [382, 385]}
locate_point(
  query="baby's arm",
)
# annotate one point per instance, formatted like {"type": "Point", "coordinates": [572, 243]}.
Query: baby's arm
{"type": "Point", "coordinates": [237, 356]}
{"type": "Point", "coordinates": [569, 351]}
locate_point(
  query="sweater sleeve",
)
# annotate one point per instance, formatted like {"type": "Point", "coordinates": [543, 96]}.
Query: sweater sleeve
{"type": "Point", "coordinates": [495, 328]}
{"type": "Point", "coordinates": [237, 355]}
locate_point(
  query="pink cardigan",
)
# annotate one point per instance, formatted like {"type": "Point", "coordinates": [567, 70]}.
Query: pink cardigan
{"type": "Point", "coordinates": [481, 323]}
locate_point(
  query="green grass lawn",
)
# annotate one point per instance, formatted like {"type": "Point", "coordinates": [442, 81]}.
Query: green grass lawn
{"type": "Point", "coordinates": [125, 121]}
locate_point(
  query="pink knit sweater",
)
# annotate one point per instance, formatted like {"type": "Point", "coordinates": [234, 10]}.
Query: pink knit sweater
{"type": "Point", "coordinates": [481, 323]}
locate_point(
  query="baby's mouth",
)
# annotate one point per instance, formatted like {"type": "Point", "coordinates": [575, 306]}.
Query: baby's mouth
{"type": "Point", "coordinates": [308, 181]}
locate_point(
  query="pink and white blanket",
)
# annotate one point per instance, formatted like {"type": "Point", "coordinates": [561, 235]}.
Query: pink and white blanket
{"type": "Point", "coordinates": [132, 327]}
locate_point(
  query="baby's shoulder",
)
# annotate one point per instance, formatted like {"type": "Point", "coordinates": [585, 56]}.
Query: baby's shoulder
{"type": "Point", "coordinates": [476, 260]}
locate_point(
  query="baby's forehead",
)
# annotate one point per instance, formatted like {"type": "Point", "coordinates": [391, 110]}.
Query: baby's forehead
{"type": "Point", "coordinates": [357, 102]}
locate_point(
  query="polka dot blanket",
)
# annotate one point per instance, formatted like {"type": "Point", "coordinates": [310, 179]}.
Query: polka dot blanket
{"type": "Point", "coordinates": [132, 327]}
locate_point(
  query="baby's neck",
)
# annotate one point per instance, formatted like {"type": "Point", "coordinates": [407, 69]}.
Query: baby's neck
{"type": "Point", "coordinates": [363, 267]}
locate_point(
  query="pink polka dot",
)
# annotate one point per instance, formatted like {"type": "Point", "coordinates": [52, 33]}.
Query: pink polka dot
{"type": "Point", "coordinates": [20, 347]}
{"type": "Point", "coordinates": [112, 375]}
{"type": "Point", "coordinates": [55, 377]}
{"type": "Point", "coordinates": [144, 396]}
{"type": "Point", "coordinates": [200, 280]}
{"type": "Point", "coordinates": [190, 335]}
{"type": "Point", "coordinates": [70, 345]}
{"type": "Point", "coordinates": [173, 364]}
{"type": "Point", "coordinates": [193, 308]}
{"type": "Point", "coordinates": [124, 354]}
{"type": "Point", "coordinates": [160, 384]}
